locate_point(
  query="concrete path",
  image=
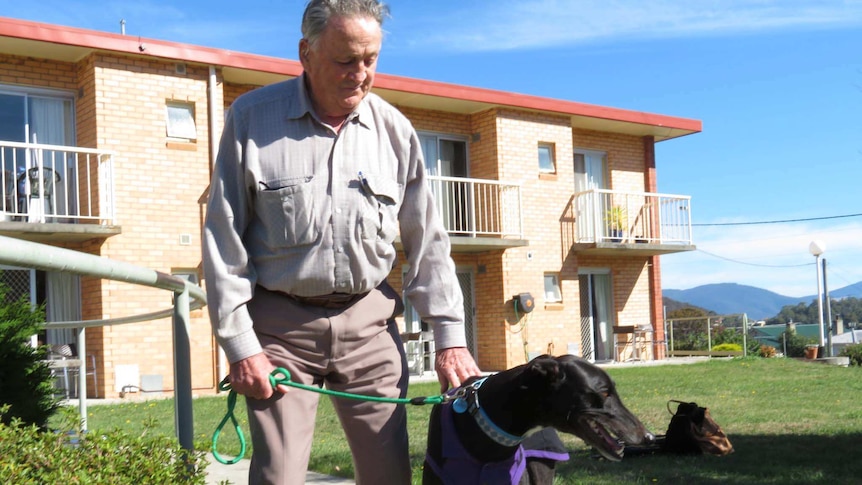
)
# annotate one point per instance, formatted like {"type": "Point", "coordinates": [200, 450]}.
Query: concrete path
{"type": "Point", "coordinates": [237, 474]}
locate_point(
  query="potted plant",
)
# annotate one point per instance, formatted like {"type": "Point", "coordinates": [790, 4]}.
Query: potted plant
{"type": "Point", "coordinates": [615, 218]}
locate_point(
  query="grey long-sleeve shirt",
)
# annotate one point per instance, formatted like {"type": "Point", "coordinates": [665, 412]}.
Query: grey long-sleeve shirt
{"type": "Point", "coordinates": [298, 208]}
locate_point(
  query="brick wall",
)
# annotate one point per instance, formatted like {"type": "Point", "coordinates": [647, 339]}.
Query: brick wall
{"type": "Point", "coordinates": [27, 71]}
{"type": "Point", "coordinates": [551, 326]}
{"type": "Point", "coordinates": [159, 189]}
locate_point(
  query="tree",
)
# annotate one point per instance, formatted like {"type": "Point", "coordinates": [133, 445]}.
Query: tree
{"type": "Point", "coordinates": [850, 310]}
{"type": "Point", "coordinates": [688, 312]}
{"type": "Point", "coordinates": [25, 379]}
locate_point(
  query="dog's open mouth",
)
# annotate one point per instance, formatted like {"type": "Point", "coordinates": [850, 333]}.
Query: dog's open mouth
{"type": "Point", "coordinates": [595, 434]}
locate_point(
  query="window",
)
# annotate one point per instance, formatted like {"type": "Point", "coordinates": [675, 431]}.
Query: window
{"type": "Point", "coordinates": [552, 288]}
{"type": "Point", "coordinates": [591, 170]}
{"type": "Point", "coordinates": [44, 117]}
{"type": "Point", "coordinates": [446, 156]}
{"type": "Point", "coordinates": [546, 158]}
{"type": "Point", "coordinates": [180, 121]}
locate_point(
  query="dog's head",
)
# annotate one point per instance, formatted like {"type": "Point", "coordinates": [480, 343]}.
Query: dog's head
{"type": "Point", "coordinates": [580, 398]}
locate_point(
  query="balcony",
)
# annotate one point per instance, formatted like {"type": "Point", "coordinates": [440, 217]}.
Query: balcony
{"type": "Point", "coordinates": [53, 193]}
{"type": "Point", "coordinates": [479, 215]}
{"type": "Point", "coordinates": [627, 223]}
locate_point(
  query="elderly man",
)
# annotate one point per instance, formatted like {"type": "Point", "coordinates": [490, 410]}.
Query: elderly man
{"type": "Point", "coordinates": [313, 179]}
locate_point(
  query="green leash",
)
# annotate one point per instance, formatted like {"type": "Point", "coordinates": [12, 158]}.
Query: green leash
{"type": "Point", "coordinates": [282, 376]}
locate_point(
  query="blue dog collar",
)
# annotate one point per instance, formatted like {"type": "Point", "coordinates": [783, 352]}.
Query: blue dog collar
{"type": "Point", "coordinates": [469, 402]}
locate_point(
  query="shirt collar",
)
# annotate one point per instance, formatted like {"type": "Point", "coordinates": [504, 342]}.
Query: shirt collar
{"type": "Point", "coordinates": [303, 105]}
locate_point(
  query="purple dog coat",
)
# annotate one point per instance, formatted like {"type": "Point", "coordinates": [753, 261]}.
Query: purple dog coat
{"type": "Point", "coordinates": [460, 468]}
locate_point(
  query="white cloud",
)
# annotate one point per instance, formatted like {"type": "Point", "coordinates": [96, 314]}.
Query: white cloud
{"type": "Point", "coordinates": [519, 24]}
{"type": "Point", "coordinates": [774, 257]}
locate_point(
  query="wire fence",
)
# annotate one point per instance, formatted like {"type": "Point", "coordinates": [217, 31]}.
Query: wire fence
{"type": "Point", "coordinates": [705, 336]}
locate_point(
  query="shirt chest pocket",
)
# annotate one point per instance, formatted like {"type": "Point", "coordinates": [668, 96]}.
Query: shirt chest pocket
{"type": "Point", "coordinates": [285, 210]}
{"type": "Point", "coordinates": [380, 218]}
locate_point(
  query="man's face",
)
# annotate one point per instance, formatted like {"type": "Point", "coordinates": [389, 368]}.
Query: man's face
{"type": "Point", "coordinates": [340, 65]}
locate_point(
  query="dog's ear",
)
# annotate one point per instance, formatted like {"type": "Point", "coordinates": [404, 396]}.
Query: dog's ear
{"type": "Point", "coordinates": [545, 372]}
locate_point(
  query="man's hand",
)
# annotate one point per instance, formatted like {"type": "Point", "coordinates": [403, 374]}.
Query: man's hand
{"type": "Point", "coordinates": [454, 366]}
{"type": "Point", "coordinates": [250, 377]}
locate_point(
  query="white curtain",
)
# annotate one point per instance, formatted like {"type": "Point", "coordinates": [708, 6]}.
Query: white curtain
{"type": "Point", "coordinates": [429, 151]}
{"type": "Point", "coordinates": [64, 304]}
{"type": "Point", "coordinates": [49, 118]}
{"type": "Point", "coordinates": [604, 316]}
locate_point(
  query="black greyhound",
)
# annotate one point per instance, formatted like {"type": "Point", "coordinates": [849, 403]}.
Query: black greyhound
{"type": "Point", "coordinates": [490, 417]}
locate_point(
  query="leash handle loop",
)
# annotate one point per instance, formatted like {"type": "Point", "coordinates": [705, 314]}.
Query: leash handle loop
{"type": "Point", "coordinates": [224, 385]}
{"type": "Point", "coordinates": [280, 376]}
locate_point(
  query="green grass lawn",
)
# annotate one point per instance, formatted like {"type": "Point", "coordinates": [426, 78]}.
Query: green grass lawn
{"type": "Point", "coordinates": [790, 421]}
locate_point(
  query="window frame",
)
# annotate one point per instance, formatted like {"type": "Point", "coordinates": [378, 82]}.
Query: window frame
{"type": "Point", "coordinates": [552, 158]}
{"type": "Point", "coordinates": [557, 293]}
{"type": "Point", "coordinates": [187, 129]}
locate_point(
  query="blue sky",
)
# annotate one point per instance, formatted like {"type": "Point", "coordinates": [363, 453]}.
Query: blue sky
{"type": "Point", "coordinates": [776, 83]}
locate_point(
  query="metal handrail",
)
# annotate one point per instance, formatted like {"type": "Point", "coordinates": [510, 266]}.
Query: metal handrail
{"type": "Point", "coordinates": [187, 297]}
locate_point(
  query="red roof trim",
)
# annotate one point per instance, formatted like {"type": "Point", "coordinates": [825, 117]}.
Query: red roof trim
{"type": "Point", "coordinates": [73, 36]}
{"type": "Point", "coordinates": [129, 44]}
{"type": "Point", "coordinates": [516, 100]}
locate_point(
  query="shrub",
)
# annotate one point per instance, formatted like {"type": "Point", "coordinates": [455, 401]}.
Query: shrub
{"type": "Point", "coordinates": [25, 380]}
{"type": "Point", "coordinates": [796, 343]}
{"type": "Point", "coordinates": [726, 335]}
{"type": "Point", "coordinates": [854, 352]}
{"type": "Point", "coordinates": [727, 347]}
{"type": "Point", "coordinates": [29, 454]}
{"type": "Point", "coordinates": [767, 351]}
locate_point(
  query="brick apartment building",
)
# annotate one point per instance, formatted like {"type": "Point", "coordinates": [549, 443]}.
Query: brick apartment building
{"type": "Point", "coordinates": [542, 196]}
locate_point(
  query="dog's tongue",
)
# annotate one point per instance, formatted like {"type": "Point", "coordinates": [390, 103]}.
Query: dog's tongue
{"type": "Point", "coordinates": [613, 448]}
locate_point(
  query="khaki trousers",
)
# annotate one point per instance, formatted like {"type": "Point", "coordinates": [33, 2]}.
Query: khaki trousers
{"type": "Point", "coordinates": [357, 350]}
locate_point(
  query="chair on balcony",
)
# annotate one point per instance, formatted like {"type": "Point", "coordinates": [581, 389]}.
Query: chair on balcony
{"type": "Point", "coordinates": [65, 365]}
{"type": "Point", "coordinates": [414, 348]}
{"type": "Point", "coordinates": [624, 337]}
{"type": "Point", "coordinates": [61, 362]}
{"type": "Point", "coordinates": [41, 200]}
{"type": "Point", "coordinates": [644, 342]}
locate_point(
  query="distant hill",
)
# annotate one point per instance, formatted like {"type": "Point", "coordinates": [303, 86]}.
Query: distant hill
{"type": "Point", "coordinates": [671, 305]}
{"type": "Point", "coordinates": [854, 290]}
{"type": "Point", "coordinates": [727, 298]}
{"type": "Point", "coordinates": [757, 303]}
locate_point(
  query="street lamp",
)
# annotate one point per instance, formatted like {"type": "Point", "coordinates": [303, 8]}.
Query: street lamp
{"type": "Point", "coordinates": [817, 248]}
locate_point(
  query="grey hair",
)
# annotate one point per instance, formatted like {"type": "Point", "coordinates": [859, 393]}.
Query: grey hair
{"type": "Point", "coordinates": [318, 12]}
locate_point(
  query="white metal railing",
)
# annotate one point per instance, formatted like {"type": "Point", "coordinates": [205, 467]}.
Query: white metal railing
{"type": "Point", "coordinates": [478, 207]}
{"type": "Point", "coordinates": [77, 184]}
{"type": "Point", "coordinates": [602, 215]}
